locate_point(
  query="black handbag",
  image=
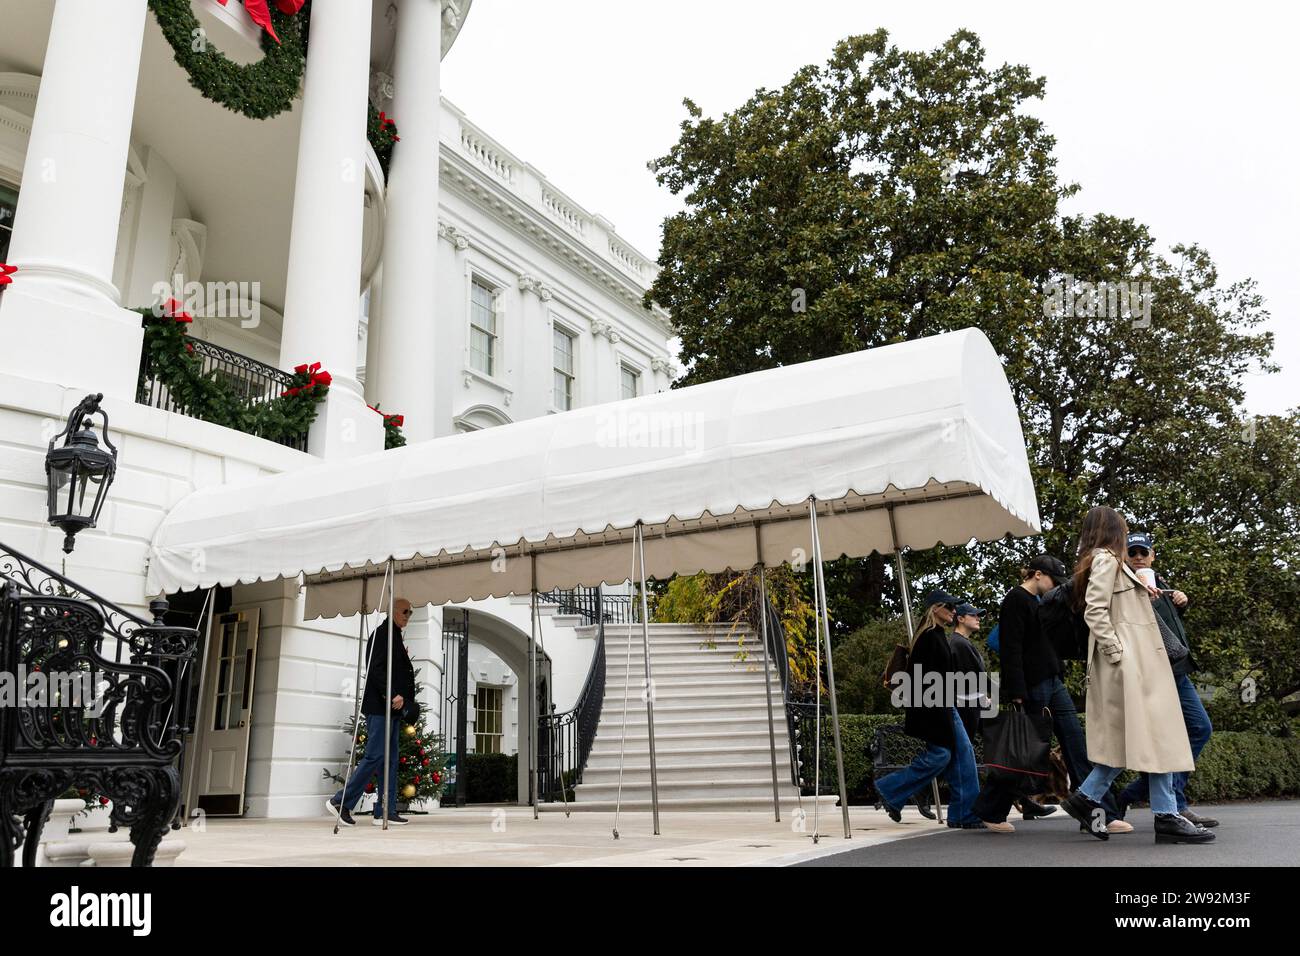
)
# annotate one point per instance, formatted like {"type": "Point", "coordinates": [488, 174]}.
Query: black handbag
{"type": "Point", "coordinates": [1175, 649]}
{"type": "Point", "coordinates": [1017, 748]}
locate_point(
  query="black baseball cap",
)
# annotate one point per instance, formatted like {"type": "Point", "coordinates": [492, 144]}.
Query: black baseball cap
{"type": "Point", "coordinates": [1054, 568]}
{"type": "Point", "coordinates": [1140, 539]}
{"type": "Point", "coordinates": [940, 596]}
{"type": "Point", "coordinates": [969, 610]}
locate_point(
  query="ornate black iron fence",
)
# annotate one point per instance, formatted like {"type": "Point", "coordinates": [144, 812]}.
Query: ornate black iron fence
{"type": "Point", "coordinates": [251, 381]}
{"type": "Point", "coordinates": [111, 724]}
{"type": "Point", "coordinates": [593, 604]}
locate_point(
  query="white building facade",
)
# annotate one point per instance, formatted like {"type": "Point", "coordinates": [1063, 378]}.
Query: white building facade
{"type": "Point", "coordinates": [459, 288]}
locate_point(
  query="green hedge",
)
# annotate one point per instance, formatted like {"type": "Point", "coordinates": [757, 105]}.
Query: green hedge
{"type": "Point", "coordinates": [489, 778]}
{"type": "Point", "coordinates": [1235, 765]}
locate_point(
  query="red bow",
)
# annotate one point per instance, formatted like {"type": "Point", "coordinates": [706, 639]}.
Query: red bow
{"type": "Point", "coordinates": [386, 121]}
{"type": "Point", "coordinates": [259, 13]}
{"type": "Point", "coordinates": [169, 309]}
{"type": "Point", "coordinates": [5, 272]}
{"type": "Point", "coordinates": [315, 374]}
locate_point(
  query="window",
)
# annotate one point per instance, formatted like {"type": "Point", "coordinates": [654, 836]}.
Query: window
{"type": "Point", "coordinates": [483, 335]}
{"type": "Point", "coordinates": [487, 720]}
{"type": "Point", "coordinates": [630, 382]}
{"type": "Point", "coordinates": [8, 203]}
{"type": "Point", "coordinates": [562, 390]}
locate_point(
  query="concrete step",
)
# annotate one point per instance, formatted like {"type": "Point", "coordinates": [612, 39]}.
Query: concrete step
{"type": "Point", "coordinates": [697, 788]}
{"type": "Point", "coordinates": [681, 756]}
{"type": "Point", "coordinates": [683, 686]}
{"type": "Point", "coordinates": [639, 771]}
{"type": "Point", "coordinates": [829, 819]}
{"type": "Point", "coordinates": [691, 737]}
{"type": "Point", "coordinates": [699, 693]}
{"type": "Point", "coordinates": [697, 656]}
{"type": "Point", "coordinates": [751, 669]}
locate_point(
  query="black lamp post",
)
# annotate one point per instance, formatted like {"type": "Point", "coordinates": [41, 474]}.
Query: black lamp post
{"type": "Point", "coordinates": [78, 470]}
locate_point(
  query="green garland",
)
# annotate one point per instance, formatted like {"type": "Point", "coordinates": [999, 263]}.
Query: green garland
{"type": "Point", "coordinates": [170, 358]}
{"type": "Point", "coordinates": [393, 437]}
{"type": "Point", "coordinates": [258, 90]}
{"type": "Point", "coordinates": [382, 133]}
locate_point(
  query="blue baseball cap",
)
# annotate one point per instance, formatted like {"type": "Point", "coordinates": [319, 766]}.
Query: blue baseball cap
{"type": "Point", "coordinates": [969, 610]}
{"type": "Point", "coordinates": [1140, 539]}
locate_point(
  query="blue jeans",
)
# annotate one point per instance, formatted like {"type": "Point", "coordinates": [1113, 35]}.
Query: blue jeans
{"type": "Point", "coordinates": [372, 764]}
{"type": "Point", "coordinates": [1198, 735]}
{"type": "Point", "coordinates": [1052, 694]}
{"type": "Point", "coordinates": [956, 766]}
{"type": "Point", "coordinates": [1099, 780]}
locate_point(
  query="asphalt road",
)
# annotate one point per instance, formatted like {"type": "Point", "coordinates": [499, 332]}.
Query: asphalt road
{"type": "Point", "coordinates": [1249, 834]}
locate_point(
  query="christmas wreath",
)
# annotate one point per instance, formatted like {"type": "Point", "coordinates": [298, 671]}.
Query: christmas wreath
{"type": "Point", "coordinates": [266, 88]}
{"type": "Point", "coordinates": [258, 90]}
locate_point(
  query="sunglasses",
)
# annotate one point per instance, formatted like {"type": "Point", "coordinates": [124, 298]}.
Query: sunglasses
{"type": "Point", "coordinates": [1138, 552]}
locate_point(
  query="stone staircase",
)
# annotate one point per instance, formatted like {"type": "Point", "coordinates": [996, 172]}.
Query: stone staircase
{"type": "Point", "coordinates": [711, 731]}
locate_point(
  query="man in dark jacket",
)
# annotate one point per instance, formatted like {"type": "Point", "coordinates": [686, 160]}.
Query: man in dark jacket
{"type": "Point", "coordinates": [1170, 606]}
{"type": "Point", "coordinates": [1031, 676]}
{"type": "Point", "coordinates": [375, 704]}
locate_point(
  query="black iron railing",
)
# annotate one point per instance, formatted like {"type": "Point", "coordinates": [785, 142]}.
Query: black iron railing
{"type": "Point", "coordinates": [593, 605]}
{"type": "Point", "coordinates": [112, 724]}
{"type": "Point", "coordinates": [250, 381]}
{"type": "Point", "coordinates": [564, 740]}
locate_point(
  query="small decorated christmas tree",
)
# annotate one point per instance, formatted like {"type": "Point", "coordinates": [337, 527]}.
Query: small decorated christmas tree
{"type": "Point", "coordinates": [421, 761]}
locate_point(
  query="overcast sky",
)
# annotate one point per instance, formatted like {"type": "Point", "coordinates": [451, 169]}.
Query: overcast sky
{"type": "Point", "coordinates": [1182, 116]}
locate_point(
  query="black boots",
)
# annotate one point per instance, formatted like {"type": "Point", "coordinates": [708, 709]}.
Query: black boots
{"type": "Point", "coordinates": [1090, 815]}
{"type": "Point", "coordinates": [1172, 828]}
{"type": "Point", "coordinates": [1031, 810]}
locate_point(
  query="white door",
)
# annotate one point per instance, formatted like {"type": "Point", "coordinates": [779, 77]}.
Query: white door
{"type": "Point", "coordinates": [227, 714]}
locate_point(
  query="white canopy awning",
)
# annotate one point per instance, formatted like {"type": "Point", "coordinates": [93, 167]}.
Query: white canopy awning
{"type": "Point", "coordinates": [718, 474]}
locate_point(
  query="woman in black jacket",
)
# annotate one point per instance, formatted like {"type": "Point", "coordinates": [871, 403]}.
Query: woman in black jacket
{"type": "Point", "coordinates": [924, 692]}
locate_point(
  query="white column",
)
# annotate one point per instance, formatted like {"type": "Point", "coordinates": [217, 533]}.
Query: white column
{"type": "Point", "coordinates": [407, 342]}
{"type": "Point", "coordinates": [374, 329]}
{"type": "Point", "coordinates": [60, 320]}
{"type": "Point", "coordinates": [324, 279]}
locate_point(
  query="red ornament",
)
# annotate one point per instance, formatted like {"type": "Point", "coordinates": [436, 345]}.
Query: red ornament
{"type": "Point", "coordinates": [424, 762]}
{"type": "Point", "coordinates": [417, 778]}
{"type": "Point", "coordinates": [402, 760]}
{"type": "Point", "coordinates": [436, 778]}
{"type": "Point", "coordinates": [103, 801]}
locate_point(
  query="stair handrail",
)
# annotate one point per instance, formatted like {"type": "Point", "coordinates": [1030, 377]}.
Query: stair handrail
{"type": "Point", "coordinates": [778, 652]}
{"type": "Point", "coordinates": [32, 576]}
{"type": "Point", "coordinates": [575, 729]}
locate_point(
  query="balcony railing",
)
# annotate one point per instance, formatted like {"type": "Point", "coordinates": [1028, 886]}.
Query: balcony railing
{"type": "Point", "coordinates": [251, 381]}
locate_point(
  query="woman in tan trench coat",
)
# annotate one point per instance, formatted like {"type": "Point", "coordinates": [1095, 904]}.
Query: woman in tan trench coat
{"type": "Point", "coordinates": [1134, 718]}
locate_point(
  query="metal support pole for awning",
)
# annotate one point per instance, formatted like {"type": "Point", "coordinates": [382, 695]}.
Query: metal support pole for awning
{"type": "Point", "coordinates": [820, 581]}
{"type": "Point", "coordinates": [533, 795]}
{"type": "Point", "coordinates": [767, 677]}
{"type": "Point", "coordinates": [356, 706]}
{"type": "Point", "coordinates": [904, 596]}
{"type": "Point", "coordinates": [388, 700]}
{"type": "Point", "coordinates": [649, 677]}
